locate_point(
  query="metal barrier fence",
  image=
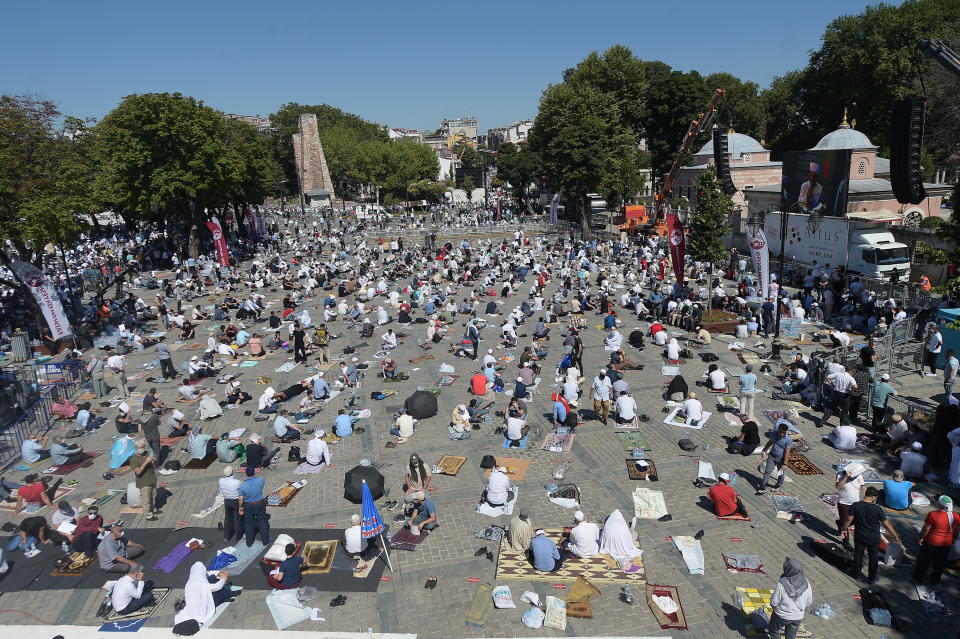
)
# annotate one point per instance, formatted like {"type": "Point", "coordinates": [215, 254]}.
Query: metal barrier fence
{"type": "Point", "coordinates": [27, 398]}
{"type": "Point", "coordinates": [913, 412]}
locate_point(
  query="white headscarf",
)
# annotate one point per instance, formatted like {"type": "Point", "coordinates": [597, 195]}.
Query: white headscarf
{"type": "Point", "coordinates": [266, 398]}
{"type": "Point", "coordinates": [616, 539]}
{"type": "Point", "coordinates": [198, 596]}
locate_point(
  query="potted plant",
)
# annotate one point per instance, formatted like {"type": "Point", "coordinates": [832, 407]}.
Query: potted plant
{"type": "Point", "coordinates": [717, 321]}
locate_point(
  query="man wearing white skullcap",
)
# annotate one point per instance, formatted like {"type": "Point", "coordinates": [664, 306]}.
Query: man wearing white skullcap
{"type": "Point", "coordinates": [584, 537]}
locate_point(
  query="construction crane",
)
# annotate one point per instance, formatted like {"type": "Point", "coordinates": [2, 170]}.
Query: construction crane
{"type": "Point", "coordinates": [697, 127]}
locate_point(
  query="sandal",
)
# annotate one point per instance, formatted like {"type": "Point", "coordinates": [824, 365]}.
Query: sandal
{"type": "Point", "coordinates": [339, 600]}
{"type": "Point", "coordinates": [391, 444]}
{"type": "Point", "coordinates": [431, 583]}
{"type": "Point", "coordinates": [480, 551]}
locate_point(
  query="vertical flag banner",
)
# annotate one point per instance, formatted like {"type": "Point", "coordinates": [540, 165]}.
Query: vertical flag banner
{"type": "Point", "coordinates": [554, 204]}
{"type": "Point", "coordinates": [678, 245]}
{"type": "Point", "coordinates": [46, 296]}
{"type": "Point", "coordinates": [219, 242]}
{"type": "Point", "coordinates": [760, 252]}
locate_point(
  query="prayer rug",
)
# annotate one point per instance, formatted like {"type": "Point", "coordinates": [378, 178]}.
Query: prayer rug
{"type": "Point", "coordinates": [245, 556]}
{"type": "Point", "coordinates": [633, 441]}
{"type": "Point", "coordinates": [209, 506]}
{"type": "Point", "coordinates": [323, 366]}
{"type": "Point", "coordinates": [753, 599]}
{"type": "Point", "coordinates": [582, 609]}
{"type": "Point", "coordinates": [673, 362]}
{"type": "Point", "coordinates": [283, 496]}
{"type": "Point", "coordinates": [100, 500]}
{"type": "Point", "coordinates": [79, 564]}
{"type": "Point", "coordinates": [196, 346]}
{"type": "Point", "coordinates": [422, 358]}
{"type": "Point", "coordinates": [159, 594]}
{"type": "Point", "coordinates": [286, 609]}
{"type": "Point", "coordinates": [174, 558]}
{"type": "Point", "coordinates": [773, 416]}
{"type": "Point", "coordinates": [319, 556]}
{"type": "Point", "coordinates": [673, 419]}
{"type": "Point", "coordinates": [123, 626]}
{"type": "Point", "coordinates": [729, 402]}
{"type": "Point", "coordinates": [670, 371]}
{"type": "Point", "coordinates": [516, 468]}
{"type": "Point", "coordinates": [219, 611]}
{"type": "Point", "coordinates": [674, 620]}
{"type": "Point", "coordinates": [363, 568]}
{"type": "Point", "coordinates": [743, 563]}
{"type": "Point", "coordinates": [522, 446]}
{"type": "Point", "coordinates": [734, 517]}
{"type": "Point", "coordinates": [787, 503]}
{"type": "Point", "coordinates": [248, 364]}
{"type": "Point", "coordinates": [131, 510]}
{"type": "Point", "coordinates": [495, 511]}
{"type": "Point", "coordinates": [447, 380]}
{"type": "Point", "coordinates": [720, 391]}
{"type": "Point", "coordinates": [451, 464]}
{"type": "Point", "coordinates": [200, 464]}
{"type": "Point", "coordinates": [514, 565]}
{"type": "Point", "coordinates": [648, 504]}
{"type": "Point", "coordinates": [69, 468]}
{"type": "Point", "coordinates": [287, 367]}
{"type": "Point", "coordinates": [480, 606]}
{"type": "Point", "coordinates": [32, 509]}
{"type": "Point", "coordinates": [634, 472]}
{"type": "Point", "coordinates": [735, 371]}
{"type": "Point", "coordinates": [558, 443]}
{"type": "Point", "coordinates": [799, 464]}
{"type": "Point", "coordinates": [273, 564]}
{"type": "Point", "coordinates": [406, 540]}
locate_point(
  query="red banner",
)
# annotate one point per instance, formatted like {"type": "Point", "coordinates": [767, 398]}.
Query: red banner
{"type": "Point", "coordinates": [678, 245]}
{"type": "Point", "coordinates": [219, 242]}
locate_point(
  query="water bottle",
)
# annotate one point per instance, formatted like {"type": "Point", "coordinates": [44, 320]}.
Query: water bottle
{"type": "Point", "coordinates": [65, 548]}
{"type": "Point", "coordinates": [733, 478]}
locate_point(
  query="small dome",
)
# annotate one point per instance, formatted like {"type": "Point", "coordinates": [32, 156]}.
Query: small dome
{"type": "Point", "coordinates": [737, 145]}
{"type": "Point", "coordinates": [844, 138]}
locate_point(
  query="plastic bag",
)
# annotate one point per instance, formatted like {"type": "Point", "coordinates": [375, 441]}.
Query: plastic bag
{"type": "Point", "coordinates": [502, 598]}
{"type": "Point", "coordinates": [533, 618]}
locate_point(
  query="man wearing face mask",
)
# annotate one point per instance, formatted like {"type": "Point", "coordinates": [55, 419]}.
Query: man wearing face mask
{"type": "Point", "coordinates": [86, 535]}
{"type": "Point", "coordinates": [116, 552]}
{"type": "Point", "coordinates": [601, 392]}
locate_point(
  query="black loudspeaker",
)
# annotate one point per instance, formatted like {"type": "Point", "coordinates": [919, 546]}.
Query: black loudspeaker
{"type": "Point", "coordinates": [906, 145]}
{"type": "Point", "coordinates": [721, 157]}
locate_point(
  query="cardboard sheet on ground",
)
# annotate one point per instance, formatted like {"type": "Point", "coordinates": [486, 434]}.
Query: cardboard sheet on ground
{"type": "Point", "coordinates": [648, 503]}
{"type": "Point", "coordinates": [516, 468]}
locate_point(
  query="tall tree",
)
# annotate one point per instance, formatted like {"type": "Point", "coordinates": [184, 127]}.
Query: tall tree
{"type": "Point", "coordinates": [710, 223]}
{"type": "Point", "coordinates": [166, 155]}
{"type": "Point", "coordinates": [672, 103]}
{"type": "Point", "coordinates": [787, 128]}
{"type": "Point", "coordinates": [742, 107]}
{"type": "Point", "coordinates": [521, 168]}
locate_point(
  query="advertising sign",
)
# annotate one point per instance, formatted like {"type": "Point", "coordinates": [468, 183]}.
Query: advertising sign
{"type": "Point", "coordinates": [46, 296]}
{"type": "Point", "coordinates": [815, 182]}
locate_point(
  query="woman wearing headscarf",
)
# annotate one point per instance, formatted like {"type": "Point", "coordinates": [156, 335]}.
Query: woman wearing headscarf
{"type": "Point", "coordinates": [265, 405]}
{"type": "Point", "coordinates": [318, 454]}
{"type": "Point", "coordinates": [202, 594]}
{"type": "Point", "coordinates": [235, 395]}
{"type": "Point", "coordinates": [616, 540]}
{"type": "Point", "coordinates": [791, 597]}
{"type": "Point", "coordinates": [417, 476]}
{"type": "Point", "coordinates": [65, 513]}
{"type": "Point", "coordinates": [939, 531]}
{"type": "Point", "coordinates": [459, 427]}
{"type": "Point", "coordinates": [677, 389]}
{"type": "Point", "coordinates": [673, 350]}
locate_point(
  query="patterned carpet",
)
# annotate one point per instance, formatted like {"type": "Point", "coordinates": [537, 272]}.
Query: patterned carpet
{"type": "Point", "coordinates": [599, 569]}
{"type": "Point", "coordinates": [802, 466]}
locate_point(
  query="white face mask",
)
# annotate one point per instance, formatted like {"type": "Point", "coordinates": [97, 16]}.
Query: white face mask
{"type": "Point", "coordinates": [92, 516]}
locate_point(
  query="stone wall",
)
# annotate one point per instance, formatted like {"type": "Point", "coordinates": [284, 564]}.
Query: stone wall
{"type": "Point", "coordinates": [311, 163]}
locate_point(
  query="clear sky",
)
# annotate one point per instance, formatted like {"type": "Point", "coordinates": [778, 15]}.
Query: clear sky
{"type": "Point", "coordinates": [406, 64]}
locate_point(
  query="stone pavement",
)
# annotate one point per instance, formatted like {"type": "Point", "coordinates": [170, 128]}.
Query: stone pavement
{"type": "Point", "coordinates": [402, 605]}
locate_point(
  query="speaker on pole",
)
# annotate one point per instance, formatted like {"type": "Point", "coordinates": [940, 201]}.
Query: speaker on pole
{"type": "Point", "coordinates": [721, 158]}
{"type": "Point", "coordinates": [906, 146]}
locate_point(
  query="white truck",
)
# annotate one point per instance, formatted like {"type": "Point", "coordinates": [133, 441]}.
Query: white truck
{"type": "Point", "coordinates": [862, 247]}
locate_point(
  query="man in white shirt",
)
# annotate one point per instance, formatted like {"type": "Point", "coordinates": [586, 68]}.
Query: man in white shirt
{"type": "Point", "coordinates": [389, 339]}
{"type": "Point", "coordinates": [584, 538]}
{"type": "Point", "coordinates": [405, 426]}
{"type": "Point", "coordinates": [843, 438]}
{"type": "Point", "coordinates": [842, 383]}
{"type": "Point", "coordinates": [912, 461]}
{"type": "Point", "coordinates": [517, 429]}
{"type": "Point", "coordinates": [601, 392]}
{"type": "Point", "coordinates": [934, 345]}
{"type": "Point", "coordinates": [116, 364]}
{"type": "Point", "coordinates": [626, 409]}
{"type": "Point", "coordinates": [692, 408]}
{"type": "Point", "coordinates": [497, 492]}
{"type": "Point", "coordinates": [353, 541]}
{"type": "Point", "coordinates": [128, 594]}
{"type": "Point", "coordinates": [839, 339]}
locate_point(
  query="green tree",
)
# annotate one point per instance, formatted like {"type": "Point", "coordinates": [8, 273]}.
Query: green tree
{"type": "Point", "coordinates": [469, 156]}
{"type": "Point", "coordinates": [672, 103]}
{"type": "Point", "coordinates": [742, 107]}
{"type": "Point", "coordinates": [253, 171]}
{"type": "Point", "coordinates": [468, 186]}
{"type": "Point", "coordinates": [621, 76]}
{"type": "Point", "coordinates": [786, 128]}
{"type": "Point", "coordinates": [520, 169]}
{"type": "Point", "coordinates": [166, 156]}
{"type": "Point", "coordinates": [710, 222]}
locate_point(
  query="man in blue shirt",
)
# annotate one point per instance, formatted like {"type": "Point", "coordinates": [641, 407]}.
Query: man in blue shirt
{"type": "Point", "coordinates": [748, 391]}
{"type": "Point", "coordinates": [32, 449]}
{"type": "Point", "coordinates": [290, 569]}
{"type": "Point", "coordinates": [423, 512]}
{"type": "Point", "coordinates": [559, 413]}
{"type": "Point", "coordinates": [544, 553]}
{"type": "Point", "coordinates": [896, 491]}
{"type": "Point", "coordinates": [321, 389]}
{"type": "Point", "coordinates": [779, 446]}
{"type": "Point", "coordinates": [253, 508]}
{"type": "Point", "coordinates": [344, 424]}
{"type": "Point", "coordinates": [283, 427]}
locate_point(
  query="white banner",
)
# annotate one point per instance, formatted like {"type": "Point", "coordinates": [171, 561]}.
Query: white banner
{"type": "Point", "coordinates": [47, 298]}
{"type": "Point", "coordinates": [554, 203]}
{"type": "Point", "coordinates": [761, 259]}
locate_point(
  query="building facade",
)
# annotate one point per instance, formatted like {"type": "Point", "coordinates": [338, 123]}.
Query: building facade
{"type": "Point", "coordinates": [465, 129]}
{"type": "Point", "coordinates": [515, 133]}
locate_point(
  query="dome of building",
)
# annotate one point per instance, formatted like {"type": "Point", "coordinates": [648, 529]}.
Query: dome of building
{"type": "Point", "coordinates": [845, 137]}
{"type": "Point", "coordinates": [737, 145]}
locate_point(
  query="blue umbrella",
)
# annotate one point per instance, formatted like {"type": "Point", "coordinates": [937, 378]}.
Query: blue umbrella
{"type": "Point", "coordinates": [371, 524]}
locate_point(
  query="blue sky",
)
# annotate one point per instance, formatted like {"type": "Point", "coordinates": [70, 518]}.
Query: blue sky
{"type": "Point", "coordinates": [406, 64]}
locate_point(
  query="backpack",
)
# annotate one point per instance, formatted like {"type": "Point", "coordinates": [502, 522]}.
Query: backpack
{"type": "Point", "coordinates": [294, 454]}
{"type": "Point", "coordinates": [187, 628]}
{"type": "Point", "coordinates": [687, 445]}
{"type": "Point", "coordinates": [173, 464]}
{"type": "Point", "coordinates": [488, 461]}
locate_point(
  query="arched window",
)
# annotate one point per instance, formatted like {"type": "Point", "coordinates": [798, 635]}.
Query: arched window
{"type": "Point", "coordinates": [862, 167]}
